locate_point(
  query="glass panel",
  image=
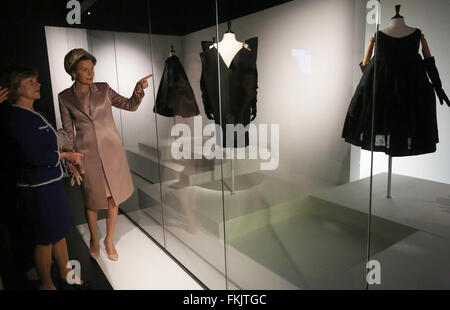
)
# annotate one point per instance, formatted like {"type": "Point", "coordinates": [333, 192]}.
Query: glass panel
{"type": "Point", "coordinates": [293, 218]}
{"type": "Point", "coordinates": [190, 183]}
{"type": "Point", "coordinates": [113, 51]}
{"type": "Point", "coordinates": [122, 59]}
{"type": "Point", "coordinates": [411, 171]}
{"type": "Point", "coordinates": [138, 129]}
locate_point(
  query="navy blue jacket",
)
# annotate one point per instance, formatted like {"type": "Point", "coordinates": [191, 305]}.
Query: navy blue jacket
{"type": "Point", "coordinates": [36, 146]}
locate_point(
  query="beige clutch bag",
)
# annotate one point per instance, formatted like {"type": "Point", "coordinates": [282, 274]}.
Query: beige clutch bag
{"type": "Point", "coordinates": [65, 143]}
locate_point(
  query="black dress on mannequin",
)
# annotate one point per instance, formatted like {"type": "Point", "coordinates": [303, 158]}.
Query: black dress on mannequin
{"type": "Point", "coordinates": [175, 95]}
{"type": "Point", "coordinates": [238, 88]}
{"type": "Point", "coordinates": [405, 103]}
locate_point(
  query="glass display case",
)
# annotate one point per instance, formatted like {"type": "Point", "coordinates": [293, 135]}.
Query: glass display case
{"type": "Point", "coordinates": [260, 153]}
{"type": "Point", "coordinates": [411, 187]}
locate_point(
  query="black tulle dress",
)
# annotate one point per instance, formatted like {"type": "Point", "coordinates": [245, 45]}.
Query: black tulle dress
{"type": "Point", "coordinates": [405, 103]}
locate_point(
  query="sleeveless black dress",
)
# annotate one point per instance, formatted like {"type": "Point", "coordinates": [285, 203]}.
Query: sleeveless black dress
{"type": "Point", "coordinates": [238, 90]}
{"type": "Point", "coordinates": [405, 103]}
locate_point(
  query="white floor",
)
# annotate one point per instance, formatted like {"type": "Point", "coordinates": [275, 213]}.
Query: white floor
{"type": "Point", "coordinates": [421, 204]}
{"type": "Point", "coordinates": [421, 260]}
{"type": "Point", "coordinates": [416, 261]}
{"type": "Point", "coordinates": [142, 264]}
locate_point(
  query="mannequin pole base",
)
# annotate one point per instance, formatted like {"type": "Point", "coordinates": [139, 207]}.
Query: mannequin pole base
{"type": "Point", "coordinates": [389, 196]}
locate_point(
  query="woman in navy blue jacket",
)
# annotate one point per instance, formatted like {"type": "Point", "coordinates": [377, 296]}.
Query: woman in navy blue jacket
{"type": "Point", "coordinates": [39, 175]}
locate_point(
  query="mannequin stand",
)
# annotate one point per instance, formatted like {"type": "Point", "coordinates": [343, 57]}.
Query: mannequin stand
{"type": "Point", "coordinates": [389, 178]}
{"type": "Point", "coordinates": [232, 177]}
{"type": "Point", "coordinates": [233, 183]}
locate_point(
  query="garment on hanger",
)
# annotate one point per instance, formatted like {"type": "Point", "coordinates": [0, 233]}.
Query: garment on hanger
{"type": "Point", "coordinates": [238, 88]}
{"type": "Point", "coordinates": [175, 95]}
{"type": "Point", "coordinates": [405, 103]}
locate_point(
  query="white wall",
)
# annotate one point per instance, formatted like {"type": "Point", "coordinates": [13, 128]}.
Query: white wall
{"type": "Point", "coordinates": [431, 17]}
{"type": "Point", "coordinates": [101, 45]}
{"type": "Point", "coordinates": [160, 52]}
{"type": "Point", "coordinates": [134, 63]}
{"type": "Point", "coordinates": [310, 107]}
{"type": "Point", "coordinates": [122, 60]}
{"type": "Point", "coordinates": [59, 42]}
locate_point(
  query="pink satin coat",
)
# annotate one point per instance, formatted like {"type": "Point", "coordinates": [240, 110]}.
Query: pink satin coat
{"type": "Point", "coordinates": [96, 137]}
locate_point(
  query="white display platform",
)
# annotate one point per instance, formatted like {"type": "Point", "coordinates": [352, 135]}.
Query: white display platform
{"type": "Point", "coordinates": [194, 222]}
{"type": "Point", "coordinates": [276, 231]}
{"type": "Point", "coordinates": [421, 260]}
{"type": "Point", "coordinates": [272, 231]}
{"type": "Point", "coordinates": [142, 264]}
{"type": "Point", "coordinates": [203, 254]}
{"type": "Point", "coordinates": [143, 160]}
{"type": "Point", "coordinates": [421, 204]}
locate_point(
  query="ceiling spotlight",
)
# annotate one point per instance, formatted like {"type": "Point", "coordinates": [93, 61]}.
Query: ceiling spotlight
{"type": "Point", "coordinates": [89, 13]}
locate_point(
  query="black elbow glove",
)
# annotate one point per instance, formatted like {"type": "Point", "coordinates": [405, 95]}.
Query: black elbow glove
{"type": "Point", "coordinates": [253, 114]}
{"type": "Point", "coordinates": [363, 68]}
{"type": "Point", "coordinates": [433, 74]}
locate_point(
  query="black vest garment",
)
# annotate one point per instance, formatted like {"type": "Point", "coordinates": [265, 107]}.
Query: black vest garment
{"type": "Point", "coordinates": [175, 95]}
{"type": "Point", "coordinates": [238, 88]}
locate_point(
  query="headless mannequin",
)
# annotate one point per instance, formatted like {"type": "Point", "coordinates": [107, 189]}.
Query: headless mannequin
{"type": "Point", "coordinates": [397, 29]}
{"type": "Point", "coordinates": [228, 47]}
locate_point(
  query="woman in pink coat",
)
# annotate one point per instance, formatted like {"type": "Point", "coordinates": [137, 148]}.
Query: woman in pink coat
{"type": "Point", "coordinates": [87, 107]}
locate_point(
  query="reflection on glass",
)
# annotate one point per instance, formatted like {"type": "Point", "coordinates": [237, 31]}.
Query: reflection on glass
{"type": "Point", "coordinates": [250, 154]}
{"type": "Point", "coordinates": [304, 60]}
{"type": "Point", "coordinates": [122, 60]}
{"type": "Point", "coordinates": [193, 213]}
{"type": "Point", "coordinates": [137, 128]}
{"type": "Point", "coordinates": [299, 225]}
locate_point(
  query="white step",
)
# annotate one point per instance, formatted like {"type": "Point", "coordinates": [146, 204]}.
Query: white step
{"type": "Point", "coordinates": [189, 172]}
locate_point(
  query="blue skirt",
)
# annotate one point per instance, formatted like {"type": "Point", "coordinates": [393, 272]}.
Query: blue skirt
{"type": "Point", "coordinates": [49, 211]}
